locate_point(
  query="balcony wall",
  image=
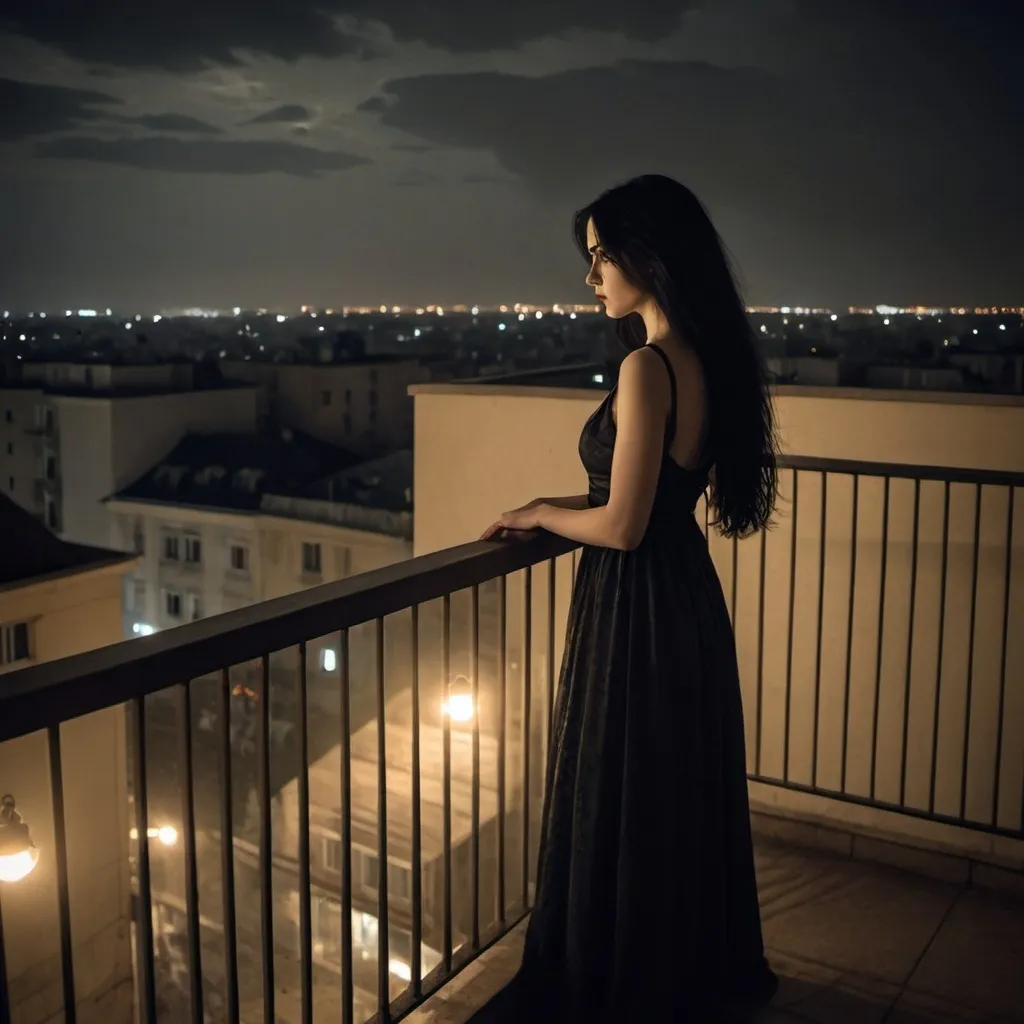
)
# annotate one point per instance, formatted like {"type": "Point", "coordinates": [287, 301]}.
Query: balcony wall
{"type": "Point", "coordinates": [481, 449]}
{"type": "Point", "coordinates": [69, 615]}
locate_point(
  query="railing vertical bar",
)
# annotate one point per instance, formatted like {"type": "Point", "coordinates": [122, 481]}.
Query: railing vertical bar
{"type": "Point", "coordinates": [475, 793]}
{"type": "Point", "coordinates": [502, 739]}
{"type": "Point", "coordinates": [416, 961]}
{"type": "Point", "coordinates": [266, 862]}
{"type": "Point", "coordinates": [188, 828]}
{"type": "Point", "coordinates": [383, 913]}
{"type": "Point", "coordinates": [938, 662]}
{"type": "Point", "coordinates": [446, 785]}
{"type": "Point", "coordinates": [884, 554]}
{"type": "Point", "coordinates": [1002, 661]}
{"type": "Point", "coordinates": [60, 851]}
{"type": "Point", "coordinates": [552, 569]}
{"type": "Point", "coordinates": [822, 547]}
{"type": "Point", "coordinates": [969, 702]}
{"type": "Point", "coordinates": [345, 728]}
{"type": "Point", "coordinates": [144, 924]}
{"type": "Point", "coordinates": [527, 724]}
{"type": "Point", "coordinates": [759, 721]}
{"type": "Point", "coordinates": [5, 991]}
{"type": "Point", "coordinates": [910, 641]}
{"type": "Point", "coordinates": [791, 629]}
{"type": "Point", "coordinates": [305, 891]}
{"type": "Point", "coordinates": [849, 630]}
{"type": "Point", "coordinates": [227, 849]}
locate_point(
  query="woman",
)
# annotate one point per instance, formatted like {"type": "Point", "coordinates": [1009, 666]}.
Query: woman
{"type": "Point", "coordinates": [646, 905]}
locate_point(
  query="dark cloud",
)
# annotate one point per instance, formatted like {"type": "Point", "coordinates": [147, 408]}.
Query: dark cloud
{"type": "Point", "coordinates": [192, 32]}
{"type": "Point", "coordinates": [880, 165]}
{"type": "Point", "coordinates": [411, 147]}
{"type": "Point", "coordinates": [285, 114]}
{"type": "Point", "coordinates": [201, 157]}
{"type": "Point", "coordinates": [413, 177]}
{"type": "Point", "coordinates": [172, 123]}
{"type": "Point", "coordinates": [27, 110]}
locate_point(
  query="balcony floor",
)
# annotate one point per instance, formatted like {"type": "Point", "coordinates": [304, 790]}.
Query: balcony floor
{"type": "Point", "coordinates": [854, 942]}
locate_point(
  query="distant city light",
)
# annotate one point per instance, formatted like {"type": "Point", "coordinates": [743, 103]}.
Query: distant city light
{"type": "Point", "coordinates": [383, 309]}
{"type": "Point", "coordinates": [475, 310]}
{"type": "Point", "coordinates": [138, 316]}
{"type": "Point", "coordinates": [764, 328]}
{"type": "Point", "coordinates": [416, 332]}
{"type": "Point", "coordinates": [522, 316]}
{"type": "Point", "coordinates": [42, 316]}
{"type": "Point", "coordinates": [109, 313]}
{"type": "Point", "coordinates": [598, 378]}
{"type": "Point", "coordinates": [157, 318]}
{"type": "Point", "coordinates": [1002, 327]}
{"type": "Point", "coordinates": [281, 318]}
{"type": "Point", "coordinates": [321, 328]}
{"type": "Point", "coordinates": [501, 327]}
{"type": "Point", "coordinates": [143, 629]}
{"type": "Point", "coordinates": [572, 316]}
{"type": "Point", "coordinates": [21, 337]}
{"type": "Point", "coordinates": [886, 321]}
{"type": "Point", "coordinates": [237, 310]}
{"type": "Point", "coordinates": [87, 312]}
{"type": "Point", "coordinates": [328, 659]}
{"type": "Point", "coordinates": [538, 314]}
{"type": "Point", "coordinates": [834, 317]}
{"type": "Point", "coordinates": [975, 330]}
{"type": "Point", "coordinates": [67, 312]}
{"type": "Point", "coordinates": [440, 311]}
{"type": "Point", "coordinates": [128, 326]}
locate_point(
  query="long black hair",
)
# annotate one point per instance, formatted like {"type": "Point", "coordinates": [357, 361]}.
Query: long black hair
{"type": "Point", "coordinates": [658, 233]}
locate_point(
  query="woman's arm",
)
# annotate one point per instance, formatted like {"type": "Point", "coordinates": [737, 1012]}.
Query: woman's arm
{"type": "Point", "coordinates": [643, 402]}
{"type": "Point", "coordinates": [573, 501]}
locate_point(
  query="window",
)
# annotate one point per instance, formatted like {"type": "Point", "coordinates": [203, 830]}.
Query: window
{"type": "Point", "coordinates": [364, 870]}
{"type": "Point", "coordinates": [172, 604]}
{"type": "Point", "coordinates": [348, 423]}
{"type": "Point", "coordinates": [311, 559]}
{"type": "Point", "coordinates": [10, 484]}
{"type": "Point", "coordinates": [332, 854]}
{"type": "Point", "coordinates": [399, 882]}
{"type": "Point", "coordinates": [170, 548]}
{"type": "Point", "coordinates": [348, 396]}
{"type": "Point", "coordinates": [239, 558]}
{"type": "Point", "coordinates": [193, 550]}
{"type": "Point", "coordinates": [374, 376]}
{"type": "Point", "coordinates": [138, 595]}
{"type": "Point", "coordinates": [373, 399]}
{"type": "Point", "coordinates": [52, 519]}
{"type": "Point", "coordinates": [9, 415]}
{"type": "Point", "coordinates": [51, 467]}
{"type": "Point", "coordinates": [325, 398]}
{"type": "Point", "coordinates": [195, 607]}
{"type": "Point", "coordinates": [139, 538]}
{"type": "Point", "coordinates": [14, 643]}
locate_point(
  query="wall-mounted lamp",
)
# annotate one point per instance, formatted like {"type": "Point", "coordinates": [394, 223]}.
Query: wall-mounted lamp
{"type": "Point", "coordinates": [18, 854]}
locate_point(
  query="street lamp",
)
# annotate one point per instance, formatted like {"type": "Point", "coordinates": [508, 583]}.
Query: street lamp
{"type": "Point", "coordinates": [18, 854]}
{"type": "Point", "coordinates": [458, 705]}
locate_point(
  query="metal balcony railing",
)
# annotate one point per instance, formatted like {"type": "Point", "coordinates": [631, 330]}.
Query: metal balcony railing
{"type": "Point", "coordinates": [864, 681]}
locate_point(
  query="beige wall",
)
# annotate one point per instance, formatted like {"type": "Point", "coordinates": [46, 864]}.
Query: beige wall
{"type": "Point", "coordinates": [275, 557]}
{"type": "Point", "coordinates": [481, 450]}
{"type": "Point", "coordinates": [71, 614]}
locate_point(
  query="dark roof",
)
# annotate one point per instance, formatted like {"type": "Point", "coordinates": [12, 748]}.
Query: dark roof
{"type": "Point", "coordinates": [29, 550]}
{"type": "Point", "coordinates": [383, 483]}
{"type": "Point", "coordinates": [70, 389]}
{"type": "Point", "coordinates": [233, 471]}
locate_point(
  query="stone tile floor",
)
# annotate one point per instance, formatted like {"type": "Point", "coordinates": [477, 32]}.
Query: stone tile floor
{"type": "Point", "coordinates": [853, 942]}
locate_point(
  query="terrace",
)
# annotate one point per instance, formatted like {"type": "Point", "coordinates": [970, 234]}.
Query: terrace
{"type": "Point", "coordinates": [276, 757]}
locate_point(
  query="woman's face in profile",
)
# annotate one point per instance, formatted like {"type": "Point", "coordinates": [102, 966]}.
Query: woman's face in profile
{"type": "Point", "coordinates": [618, 295]}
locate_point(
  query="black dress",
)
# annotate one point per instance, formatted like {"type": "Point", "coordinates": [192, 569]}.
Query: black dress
{"type": "Point", "coordinates": [646, 906]}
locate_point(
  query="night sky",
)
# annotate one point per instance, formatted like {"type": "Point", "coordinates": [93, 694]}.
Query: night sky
{"type": "Point", "coordinates": [222, 152]}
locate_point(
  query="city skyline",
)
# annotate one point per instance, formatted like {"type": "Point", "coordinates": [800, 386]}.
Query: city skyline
{"type": "Point", "coordinates": [295, 157]}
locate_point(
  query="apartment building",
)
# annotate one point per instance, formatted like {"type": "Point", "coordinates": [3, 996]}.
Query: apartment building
{"type": "Point", "coordinates": [59, 599]}
{"type": "Point", "coordinates": [361, 404]}
{"type": "Point", "coordinates": [73, 434]}
{"type": "Point", "coordinates": [225, 520]}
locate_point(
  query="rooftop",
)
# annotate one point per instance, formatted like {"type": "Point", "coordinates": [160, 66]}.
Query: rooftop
{"type": "Point", "coordinates": [31, 552]}
{"type": "Point", "coordinates": [234, 471]}
{"type": "Point", "coordinates": [382, 483]}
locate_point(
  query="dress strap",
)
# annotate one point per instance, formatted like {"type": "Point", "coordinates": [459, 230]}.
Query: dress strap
{"type": "Point", "coordinates": [670, 426]}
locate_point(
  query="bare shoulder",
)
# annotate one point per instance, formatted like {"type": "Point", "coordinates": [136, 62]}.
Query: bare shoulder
{"type": "Point", "coordinates": [642, 371]}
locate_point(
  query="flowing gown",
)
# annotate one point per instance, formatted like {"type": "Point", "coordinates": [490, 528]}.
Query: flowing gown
{"type": "Point", "coordinates": [646, 906]}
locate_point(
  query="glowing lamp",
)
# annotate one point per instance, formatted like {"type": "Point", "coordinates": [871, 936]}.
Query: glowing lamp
{"type": "Point", "coordinates": [18, 854]}
{"type": "Point", "coordinates": [458, 705]}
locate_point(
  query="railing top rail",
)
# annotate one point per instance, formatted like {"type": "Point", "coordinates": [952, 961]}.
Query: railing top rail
{"type": "Point", "coordinates": [36, 697]}
{"type": "Point", "coordinates": [903, 470]}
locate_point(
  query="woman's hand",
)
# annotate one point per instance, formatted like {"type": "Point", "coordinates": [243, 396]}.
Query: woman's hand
{"type": "Point", "coordinates": [519, 520]}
